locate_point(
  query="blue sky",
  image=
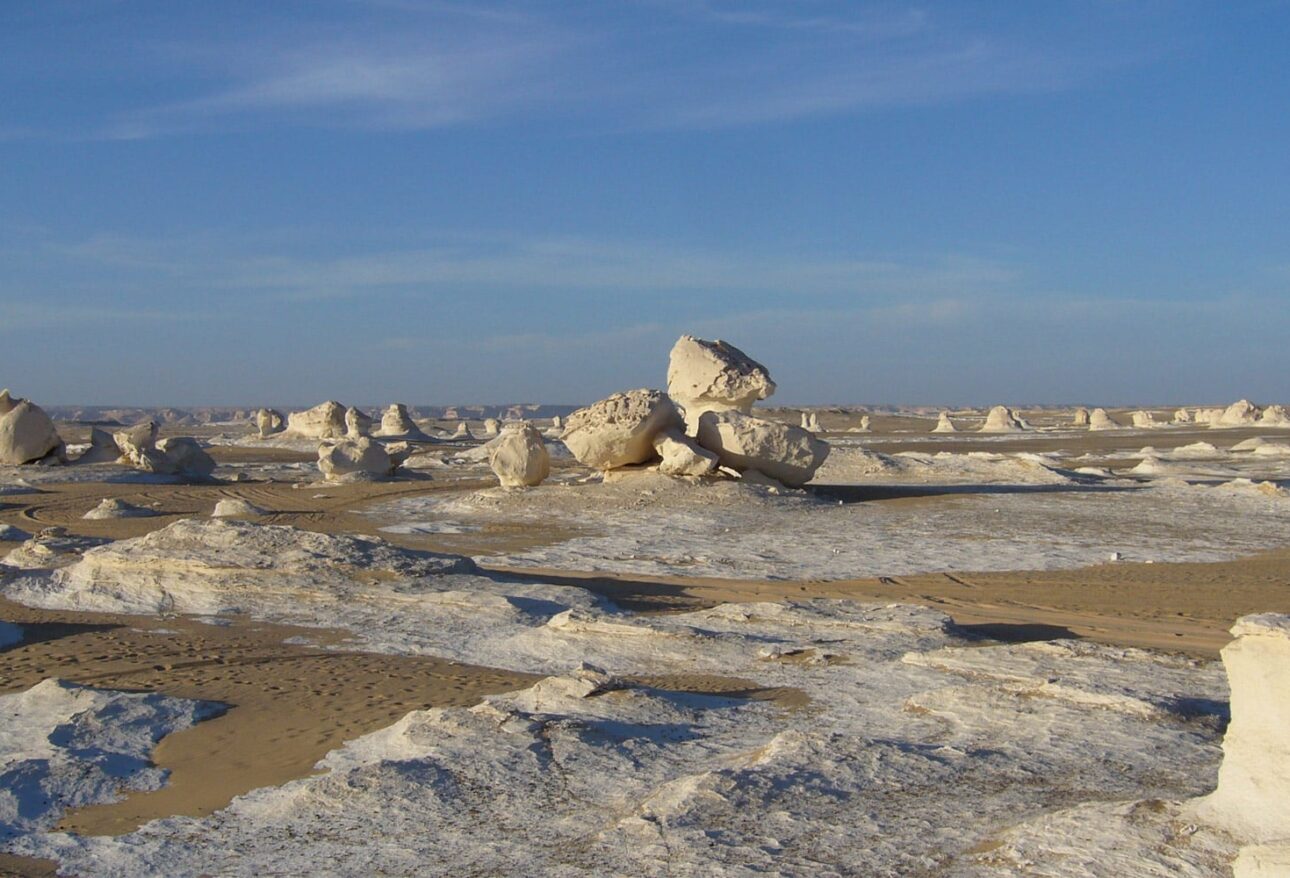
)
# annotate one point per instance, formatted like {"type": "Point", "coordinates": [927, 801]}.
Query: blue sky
{"type": "Point", "coordinates": [438, 201]}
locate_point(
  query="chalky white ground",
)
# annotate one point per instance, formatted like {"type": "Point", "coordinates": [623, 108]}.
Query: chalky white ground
{"type": "Point", "coordinates": [920, 751]}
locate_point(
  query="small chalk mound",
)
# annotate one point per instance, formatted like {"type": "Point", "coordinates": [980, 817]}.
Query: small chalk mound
{"type": "Point", "coordinates": [112, 507]}
{"type": "Point", "coordinates": [236, 507]}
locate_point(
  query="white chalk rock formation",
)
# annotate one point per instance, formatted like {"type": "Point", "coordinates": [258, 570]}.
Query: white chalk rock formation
{"type": "Point", "coordinates": [813, 423]}
{"type": "Point", "coordinates": [111, 507]}
{"type": "Point", "coordinates": [492, 427]}
{"type": "Point", "coordinates": [1252, 799]}
{"type": "Point", "coordinates": [357, 424]}
{"type": "Point", "coordinates": [27, 435]}
{"type": "Point", "coordinates": [743, 442]}
{"type": "Point", "coordinates": [1182, 416]}
{"type": "Point", "coordinates": [324, 421]}
{"type": "Point", "coordinates": [944, 424]}
{"type": "Point", "coordinates": [705, 376]}
{"type": "Point", "coordinates": [1100, 420]}
{"type": "Point", "coordinates": [681, 456]}
{"type": "Point", "coordinates": [1241, 413]}
{"type": "Point", "coordinates": [1081, 417]}
{"type": "Point", "coordinates": [864, 424]}
{"type": "Point", "coordinates": [805, 422]}
{"type": "Point", "coordinates": [620, 430]}
{"type": "Point", "coordinates": [355, 460]}
{"type": "Point", "coordinates": [1274, 416]}
{"type": "Point", "coordinates": [269, 421]}
{"type": "Point", "coordinates": [397, 423]}
{"type": "Point", "coordinates": [1143, 420]}
{"type": "Point", "coordinates": [463, 431]}
{"type": "Point", "coordinates": [184, 456]}
{"type": "Point", "coordinates": [1002, 420]}
{"type": "Point", "coordinates": [103, 448]}
{"type": "Point", "coordinates": [236, 507]}
{"type": "Point", "coordinates": [133, 441]}
{"type": "Point", "coordinates": [557, 422]}
{"type": "Point", "coordinates": [518, 456]}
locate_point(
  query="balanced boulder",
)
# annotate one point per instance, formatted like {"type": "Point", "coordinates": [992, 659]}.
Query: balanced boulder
{"type": "Point", "coordinates": [518, 456]}
{"type": "Point", "coordinates": [786, 453]}
{"type": "Point", "coordinates": [620, 430]}
{"type": "Point", "coordinates": [705, 376]}
{"type": "Point", "coordinates": [27, 435]}
{"type": "Point", "coordinates": [323, 421]}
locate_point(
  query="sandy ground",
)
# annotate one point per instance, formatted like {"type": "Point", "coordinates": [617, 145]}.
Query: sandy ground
{"type": "Point", "coordinates": [290, 703]}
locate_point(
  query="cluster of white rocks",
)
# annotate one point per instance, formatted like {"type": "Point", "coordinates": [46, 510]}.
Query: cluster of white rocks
{"type": "Point", "coordinates": [360, 459]}
{"type": "Point", "coordinates": [1241, 413]}
{"type": "Point", "coordinates": [139, 447]}
{"type": "Point", "coordinates": [27, 434]}
{"type": "Point", "coordinates": [703, 422]}
{"type": "Point", "coordinates": [811, 421]}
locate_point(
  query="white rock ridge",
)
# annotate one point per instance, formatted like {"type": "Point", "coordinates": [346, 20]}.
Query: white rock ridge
{"type": "Point", "coordinates": [518, 456]}
{"type": "Point", "coordinates": [620, 430]}
{"type": "Point", "coordinates": [707, 376]}
{"type": "Point", "coordinates": [743, 442]}
{"type": "Point", "coordinates": [1252, 799]}
{"type": "Point", "coordinates": [1002, 420]}
{"type": "Point", "coordinates": [27, 435]}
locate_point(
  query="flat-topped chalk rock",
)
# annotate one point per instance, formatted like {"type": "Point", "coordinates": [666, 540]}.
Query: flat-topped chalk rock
{"type": "Point", "coordinates": [518, 456]}
{"type": "Point", "coordinates": [324, 421]}
{"type": "Point", "coordinates": [620, 430]}
{"type": "Point", "coordinates": [788, 454]}
{"type": "Point", "coordinates": [1001, 420]}
{"type": "Point", "coordinates": [944, 424]}
{"type": "Point", "coordinates": [707, 376]}
{"type": "Point", "coordinates": [1254, 780]}
{"type": "Point", "coordinates": [269, 421]}
{"type": "Point", "coordinates": [27, 435]}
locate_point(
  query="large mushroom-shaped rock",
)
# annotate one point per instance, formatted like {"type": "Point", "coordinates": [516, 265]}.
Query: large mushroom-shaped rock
{"type": "Point", "coordinates": [269, 421]}
{"type": "Point", "coordinates": [1002, 420]}
{"type": "Point", "coordinates": [1254, 779]}
{"type": "Point", "coordinates": [788, 454]}
{"type": "Point", "coordinates": [1081, 417]}
{"type": "Point", "coordinates": [704, 376]}
{"type": "Point", "coordinates": [518, 456]}
{"type": "Point", "coordinates": [103, 448]}
{"type": "Point", "coordinates": [620, 430]}
{"type": "Point", "coordinates": [944, 424]}
{"type": "Point", "coordinates": [357, 423]}
{"type": "Point", "coordinates": [1100, 420]}
{"type": "Point", "coordinates": [680, 456]}
{"type": "Point", "coordinates": [354, 460]}
{"type": "Point", "coordinates": [27, 435]}
{"type": "Point", "coordinates": [323, 421]}
{"type": "Point", "coordinates": [397, 423]}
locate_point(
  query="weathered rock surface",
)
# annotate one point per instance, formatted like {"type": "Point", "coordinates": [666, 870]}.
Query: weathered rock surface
{"type": "Point", "coordinates": [1100, 420]}
{"type": "Point", "coordinates": [944, 424]}
{"type": "Point", "coordinates": [357, 424]}
{"type": "Point", "coordinates": [1081, 417]}
{"type": "Point", "coordinates": [620, 430]}
{"type": "Point", "coordinates": [463, 431]}
{"type": "Point", "coordinates": [323, 421]}
{"type": "Point", "coordinates": [397, 423]}
{"type": "Point", "coordinates": [492, 427]}
{"type": "Point", "coordinates": [1254, 779]}
{"type": "Point", "coordinates": [743, 442]}
{"type": "Point", "coordinates": [269, 422]}
{"type": "Point", "coordinates": [183, 456]}
{"type": "Point", "coordinates": [355, 459]}
{"type": "Point", "coordinates": [133, 441]}
{"type": "Point", "coordinates": [103, 448]}
{"type": "Point", "coordinates": [707, 376]}
{"type": "Point", "coordinates": [518, 457]}
{"type": "Point", "coordinates": [1241, 413]}
{"type": "Point", "coordinates": [27, 435]}
{"type": "Point", "coordinates": [112, 507]}
{"type": "Point", "coordinates": [1182, 416]}
{"type": "Point", "coordinates": [1144, 420]}
{"type": "Point", "coordinates": [1274, 416]}
{"type": "Point", "coordinates": [1002, 420]}
{"type": "Point", "coordinates": [681, 456]}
